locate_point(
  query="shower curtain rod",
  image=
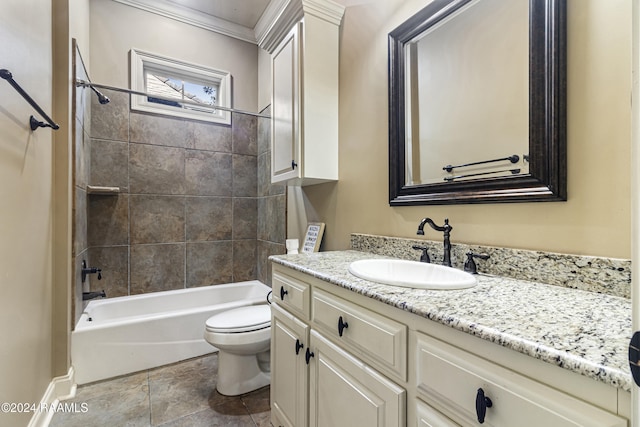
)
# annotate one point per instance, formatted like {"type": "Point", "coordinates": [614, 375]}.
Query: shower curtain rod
{"type": "Point", "coordinates": [84, 83]}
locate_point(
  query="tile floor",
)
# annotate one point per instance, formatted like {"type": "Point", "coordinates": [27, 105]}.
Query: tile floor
{"type": "Point", "coordinates": [178, 395]}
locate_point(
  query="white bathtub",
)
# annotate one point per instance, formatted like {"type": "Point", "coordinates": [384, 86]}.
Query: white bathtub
{"type": "Point", "coordinates": [121, 335]}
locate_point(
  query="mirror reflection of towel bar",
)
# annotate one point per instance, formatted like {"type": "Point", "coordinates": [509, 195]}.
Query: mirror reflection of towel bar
{"type": "Point", "coordinates": [451, 178]}
{"type": "Point", "coordinates": [513, 159]}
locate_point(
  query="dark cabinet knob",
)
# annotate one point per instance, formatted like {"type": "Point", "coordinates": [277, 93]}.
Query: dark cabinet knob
{"type": "Point", "coordinates": [293, 164]}
{"type": "Point", "coordinates": [299, 345]}
{"type": "Point", "coordinates": [342, 325]}
{"type": "Point", "coordinates": [283, 292]}
{"type": "Point", "coordinates": [308, 355]}
{"type": "Point", "coordinates": [482, 403]}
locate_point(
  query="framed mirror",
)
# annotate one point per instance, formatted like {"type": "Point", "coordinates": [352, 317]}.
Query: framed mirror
{"type": "Point", "coordinates": [477, 103]}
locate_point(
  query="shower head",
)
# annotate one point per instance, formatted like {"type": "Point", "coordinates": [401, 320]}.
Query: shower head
{"type": "Point", "coordinates": [102, 98]}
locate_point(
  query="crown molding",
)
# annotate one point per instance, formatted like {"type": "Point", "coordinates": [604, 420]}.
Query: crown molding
{"type": "Point", "coordinates": [195, 18]}
{"type": "Point", "coordinates": [280, 16]}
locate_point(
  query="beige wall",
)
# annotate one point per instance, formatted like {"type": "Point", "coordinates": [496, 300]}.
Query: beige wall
{"type": "Point", "coordinates": [116, 29]}
{"type": "Point", "coordinates": [27, 204]}
{"type": "Point", "coordinates": [596, 218]}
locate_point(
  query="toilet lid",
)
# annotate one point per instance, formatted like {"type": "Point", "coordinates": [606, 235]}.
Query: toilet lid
{"type": "Point", "coordinates": [242, 319]}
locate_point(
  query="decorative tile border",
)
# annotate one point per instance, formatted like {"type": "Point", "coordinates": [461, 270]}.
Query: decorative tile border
{"type": "Point", "coordinates": [596, 274]}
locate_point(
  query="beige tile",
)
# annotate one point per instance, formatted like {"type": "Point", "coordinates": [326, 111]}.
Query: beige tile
{"type": "Point", "coordinates": [128, 407]}
{"type": "Point", "coordinates": [181, 389]}
{"type": "Point", "coordinates": [178, 395]}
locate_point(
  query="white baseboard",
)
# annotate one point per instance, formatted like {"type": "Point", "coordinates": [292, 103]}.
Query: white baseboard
{"type": "Point", "coordinates": [60, 388]}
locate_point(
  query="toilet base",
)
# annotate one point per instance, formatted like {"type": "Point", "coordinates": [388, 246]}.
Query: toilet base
{"type": "Point", "coordinates": [240, 374]}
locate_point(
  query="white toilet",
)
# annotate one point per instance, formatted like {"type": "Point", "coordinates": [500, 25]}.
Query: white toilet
{"type": "Point", "coordinates": [243, 337]}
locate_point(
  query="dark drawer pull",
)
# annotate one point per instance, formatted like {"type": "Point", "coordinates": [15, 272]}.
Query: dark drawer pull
{"type": "Point", "coordinates": [482, 403]}
{"type": "Point", "coordinates": [299, 345]}
{"type": "Point", "coordinates": [283, 293]}
{"type": "Point", "coordinates": [342, 325]}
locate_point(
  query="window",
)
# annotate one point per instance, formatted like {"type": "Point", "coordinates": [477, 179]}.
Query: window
{"type": "Point", "coordinates": [182, 89]}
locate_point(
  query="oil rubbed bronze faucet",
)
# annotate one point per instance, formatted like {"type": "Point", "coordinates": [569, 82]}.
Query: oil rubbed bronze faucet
{"type": "Point", "coordinates": [446, 229]}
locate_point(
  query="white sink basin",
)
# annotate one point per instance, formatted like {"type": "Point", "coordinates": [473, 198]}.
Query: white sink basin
{"type": "Point", "coordinates": [411, 274]}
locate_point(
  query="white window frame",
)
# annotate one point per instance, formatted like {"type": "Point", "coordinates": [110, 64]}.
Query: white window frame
{"type": "Point", "coordinates": [175, 68]}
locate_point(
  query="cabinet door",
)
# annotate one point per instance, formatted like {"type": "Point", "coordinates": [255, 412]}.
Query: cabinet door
{"type": "Point", "coordinates": [344, 392]}
{"type": "Point", "coordinates": [285, 108]}
{"type": "Point", "coordinates": [289, 372]}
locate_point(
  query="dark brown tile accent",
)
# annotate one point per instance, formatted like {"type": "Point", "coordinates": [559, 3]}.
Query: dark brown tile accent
{"type": "Point", "coordinates": [245, 212]}
{"type": "Point", "coordinates": [264, 132]}
{"type": "Point", "coordinates": [208, 173]}
{"type": "Point", "coordinates": [81, 154]}
{"type": "Point", "coordinates": [244, 130]}
{"type": "Point", "coordinates": [157, 219]}
{"type": "Point", "coordinates": [157, 268]}
{"type": "Point", "coordinates": [265, 250]}
{"type": "Point", "coordinates": [108, 220]}
{"type": "Point", "coordinates": [160, 130]}
{"type": "Point", "coordinates": [156, 170]}
{"type": "Point", "coordinates": [110, 121]}
{"type": "Point", "coordinates": [114, 263]}
{"type": "Point", "coordinates": [80, 218]}
{"type": "Point", "coordinates": [110, 164]}
{"type": "Point", "coordinates": [208, 218]}
{"type": "Point", "coordinates": [245, 177]}
{"type": "Point", "coordinates": [271, 222]}
{"type": "Point", "coordinates": [209, 263]}
{"type": "Point", "coordinates": [210, 137]}
{"type": "Point", "coordinates": [244, 260]}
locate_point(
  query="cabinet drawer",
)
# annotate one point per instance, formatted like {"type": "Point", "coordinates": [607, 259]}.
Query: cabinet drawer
{"type": "Point", "coordinates": [377, 339]}
{"type": "Point", "coordinates": [451, 378]}
{"type": "Point", "coordinates": [292, 293]}
{"type": "Point", "coordinates": [426, 416]}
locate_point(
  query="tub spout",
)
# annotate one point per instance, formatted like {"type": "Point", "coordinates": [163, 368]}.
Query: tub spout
{"type": "Point", "coordinates": [91, 295]}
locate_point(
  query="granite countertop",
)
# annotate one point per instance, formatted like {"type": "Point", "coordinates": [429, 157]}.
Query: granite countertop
{"type": "Point", "coordinates": [582, 331]}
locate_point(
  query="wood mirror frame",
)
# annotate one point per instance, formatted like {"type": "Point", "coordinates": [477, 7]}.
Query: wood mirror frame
{"type": "Point", "coordinates": [546, 180]}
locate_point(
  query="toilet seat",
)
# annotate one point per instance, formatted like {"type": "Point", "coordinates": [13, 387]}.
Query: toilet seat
{"type": "Point", "coordinates": [242, 319]}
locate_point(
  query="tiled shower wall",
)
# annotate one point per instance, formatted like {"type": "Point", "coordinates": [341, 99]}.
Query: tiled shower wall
{"type": "Point", "coordinates": [195, 206]}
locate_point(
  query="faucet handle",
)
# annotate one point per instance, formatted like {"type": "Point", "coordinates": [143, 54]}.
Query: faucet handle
{"type": "Point", "coordinates": [470, 264]}
{"type": "Point", "coordinates": [424, 257]}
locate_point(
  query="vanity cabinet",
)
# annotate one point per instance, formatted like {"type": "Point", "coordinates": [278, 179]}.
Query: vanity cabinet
{"type": "Point", "coordinates": [339, 358]}
{"type": "Point", "coordinates": [304, 104]}
{"type": "Point", "coordinates": [475, 389]}
{"type": "Point", "coordinates": [318, 380]}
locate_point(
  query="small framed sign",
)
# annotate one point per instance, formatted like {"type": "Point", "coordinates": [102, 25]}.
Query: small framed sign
{"type": "Point", "coordinates": [313, 237]}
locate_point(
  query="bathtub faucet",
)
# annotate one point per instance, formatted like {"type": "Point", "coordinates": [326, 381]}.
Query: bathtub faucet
{"type": "Point", "coordinates": [90, 270]}
{"type": "Point", "coordinates": [91, 295]}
